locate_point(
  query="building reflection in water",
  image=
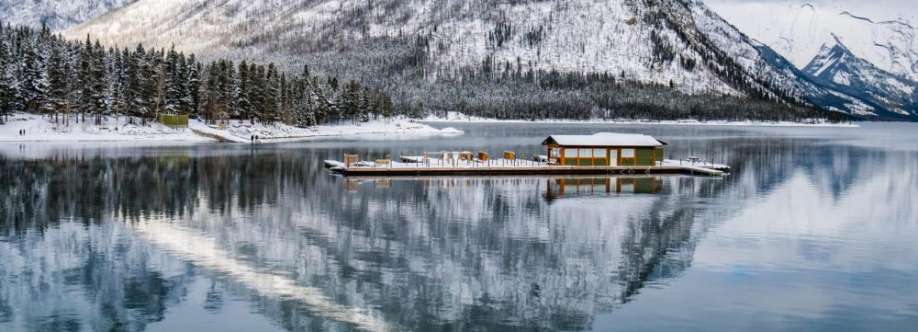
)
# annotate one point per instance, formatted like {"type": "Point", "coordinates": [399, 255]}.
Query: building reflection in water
{"type": "Point", "coordinates": [586, 186]}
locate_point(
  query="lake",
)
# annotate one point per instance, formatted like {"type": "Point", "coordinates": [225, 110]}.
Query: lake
{"type": "Point", "coordinates": [815, 230]}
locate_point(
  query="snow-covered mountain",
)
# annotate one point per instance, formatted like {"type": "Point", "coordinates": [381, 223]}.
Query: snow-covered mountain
{"type": "Point", "coordinates": [56, 14]}
{"type": "Point", "coordinates": [882, 34]}
{"type": "Point", "coordinates": [677, 42]}
{"type": "Point", "coordinates": [836, 66]}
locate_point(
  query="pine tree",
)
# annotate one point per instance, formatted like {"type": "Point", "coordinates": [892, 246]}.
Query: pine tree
{"type": "Point", "coordinates": [272, 94]}
{"type": "Point", "coordinates": [117, 82]}
{"type": "Point", "coordinates": [85, 74]}
{"type": "Point", "coordinates": [141, 84]}
{"type": "Point", "coordinates": [58, 69]}
{"type": "Point", "coordinates": [101, 97]}
{"type": "Point", "coordinates": [10, 92]}
{"type": "Point", "coordinates": [35, 76]}
{"type": "Point", "coordinates": [243, 102]}
{"type": "Point", "coordinates": [194, 85]}
{"type": "Point", "coordinates": [212, 108]}
{"type": "Point", "coordinates": [229, 88]}
{"type": "Point", "coordinates": [257, 91]}
{"type": "Point", "coordinates": [173, 83]}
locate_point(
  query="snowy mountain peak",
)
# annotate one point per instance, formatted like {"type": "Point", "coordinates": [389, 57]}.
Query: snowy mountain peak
{"type": "Point", "coordinates": [837, 67]}
{"type": "Point", "coordinates": [798, 28]}
{"type": "Point", "coordinates": [830, 55]}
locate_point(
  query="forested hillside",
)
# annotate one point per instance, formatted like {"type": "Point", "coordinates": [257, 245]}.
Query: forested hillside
{"type": "Point", "coordinates": [55, 14]}
{"type": "Point", "coordinates": [46, 74]}
{"type": "Point", "coordinates": [521, 59]}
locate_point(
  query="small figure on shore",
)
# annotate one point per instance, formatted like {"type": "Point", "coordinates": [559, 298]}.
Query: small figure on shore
{"type": "Point", "coordinates": [252, 138]}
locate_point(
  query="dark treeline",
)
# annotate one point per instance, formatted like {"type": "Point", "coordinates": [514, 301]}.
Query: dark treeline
{"type": "Point", "coordinates": [45, 74]}
{"type": "Point", "coordinates": [521, 90]}
{"type": "Point", "coordinates": [537, 95]}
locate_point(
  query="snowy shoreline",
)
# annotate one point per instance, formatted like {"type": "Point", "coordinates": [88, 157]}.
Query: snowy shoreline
{"type": "Point", "coordinates": [40, 128]}
{"type": "Point", "coordinates": [462, 118]}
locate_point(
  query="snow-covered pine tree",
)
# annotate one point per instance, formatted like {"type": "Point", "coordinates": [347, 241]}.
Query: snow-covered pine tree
{"type": "Point", "coordinates": [193, 85]}
{"type": "Point", "coordinates": [172, 82]}
{"type": "Point", "coordinates": [116, 82]}
{"type": "Point", "coordinates": [229, 88]}
{"type": "Point", "coordinates": [35, 74]}
{"type": "Point", "coordinates": [101, 93]}
{"type": "Point", "coordinates": [85, 74]}
{"type": "Point", "coordinates": [184, 91]}
{"type": "Point", "coordinates": [272, 94]}
{"type": "Point", "coordinates": [211, 97]}
{"type": "Point", "coordinates": [10, 91]}
{"type": "Point", "coordinates": [58, 68]}
{"type": "Point", "coordinates": [140, 86]}
{"type": "Point", "coordinates": [243, 103]}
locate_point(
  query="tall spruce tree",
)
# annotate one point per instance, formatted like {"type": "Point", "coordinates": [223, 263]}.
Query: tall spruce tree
{"type": "Point", "coordinates": [10, 92]}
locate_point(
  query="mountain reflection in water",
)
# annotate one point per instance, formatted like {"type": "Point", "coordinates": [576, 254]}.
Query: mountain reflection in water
{"type": "Point", "coordinates": [91, 241]}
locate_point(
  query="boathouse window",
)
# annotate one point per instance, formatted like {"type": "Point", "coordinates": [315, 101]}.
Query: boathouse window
{"type": "Point", "coordinates": [627, 153]}
{"type": "Point", "coordinates": [586, 157]}
{"type": "Point", "coordinates": [570, 157]}
{"type": "Point", "coordinates": [600, 157]}
{"type": "Point", "coordinates": [570, 153]}
{"type": "Point", "coordinates": [555, 153]}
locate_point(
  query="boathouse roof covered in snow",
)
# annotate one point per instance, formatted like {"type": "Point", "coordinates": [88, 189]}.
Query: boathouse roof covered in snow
{"type": "Point", "coordinates": [604, 140]}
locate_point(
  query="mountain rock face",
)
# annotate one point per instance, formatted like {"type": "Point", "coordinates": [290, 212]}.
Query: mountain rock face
{"type": "Point", "coordinates": [838, 67]}
{"type": "Point", "coordinates": [410, 46]}
{"type": "Point", "coordinates": [55, 14]}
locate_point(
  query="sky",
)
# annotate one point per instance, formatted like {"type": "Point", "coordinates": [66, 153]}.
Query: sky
{"type": "Point", "coordinates": [799, 32]}
{"type": "Point", "coordinates": [879, 9]}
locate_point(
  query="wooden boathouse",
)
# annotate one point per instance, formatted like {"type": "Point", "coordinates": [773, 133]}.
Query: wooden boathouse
{"type": "Point", "coordinates": [597, 154]}
{"type": "Point", "coordinates": [604, 149]}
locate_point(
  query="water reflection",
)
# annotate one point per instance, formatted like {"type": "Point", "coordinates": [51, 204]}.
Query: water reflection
{"type": "Point", "coordinates": [266, 239]}
{"type": "Point", "coordinates": [591, 186]}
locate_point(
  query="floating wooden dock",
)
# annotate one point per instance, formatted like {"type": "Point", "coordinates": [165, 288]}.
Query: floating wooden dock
{"type": "Point", "coordinates": [498, 167]}
{"type": "Point", "coordinates": [597, 154]}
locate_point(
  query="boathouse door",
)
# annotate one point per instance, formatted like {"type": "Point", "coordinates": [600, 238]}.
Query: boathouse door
{"type": "Point", "coordinates": [613, 157]}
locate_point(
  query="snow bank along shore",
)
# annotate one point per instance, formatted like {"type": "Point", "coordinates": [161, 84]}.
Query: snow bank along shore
{"type": "Point", "coordinates": [38, 128]}
{"type": "Point", "coordinates": [454, 117]}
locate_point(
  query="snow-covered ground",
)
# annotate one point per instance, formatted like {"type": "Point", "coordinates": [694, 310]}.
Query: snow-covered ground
{"type": "Point", "coordinates": [455, 117]}
{"type": "Point", "coordinates": [40, 128]}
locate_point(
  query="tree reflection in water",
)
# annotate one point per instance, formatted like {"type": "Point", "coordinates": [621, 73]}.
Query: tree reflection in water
{"type": "Point", "coordinates": [115, 242]}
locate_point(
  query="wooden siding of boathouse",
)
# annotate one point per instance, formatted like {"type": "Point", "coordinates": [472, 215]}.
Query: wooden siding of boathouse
{"type": "Point", "coordinates": [600, 149]}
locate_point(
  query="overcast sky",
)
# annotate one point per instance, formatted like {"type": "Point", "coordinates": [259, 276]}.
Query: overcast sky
{"type": "Point", "coordinates": [881, 9]}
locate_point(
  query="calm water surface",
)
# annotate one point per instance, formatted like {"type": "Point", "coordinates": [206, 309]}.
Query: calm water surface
{"type": "Point", "coordinates": [816, 230]}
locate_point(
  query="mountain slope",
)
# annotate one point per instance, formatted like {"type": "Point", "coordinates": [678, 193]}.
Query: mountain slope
{"type": "Point", "coordinates": [569, 36]}
{"type": "Point", "coordinates": [53, 13]}
{"type": "Point", "coordinates": [411, 46]}
{"type": "Point", "coordinates": [798, 28]}
{"type": "Point", "coordinates": [837, 66]}
{"type": "Point", "coordinates": [769, 70]}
